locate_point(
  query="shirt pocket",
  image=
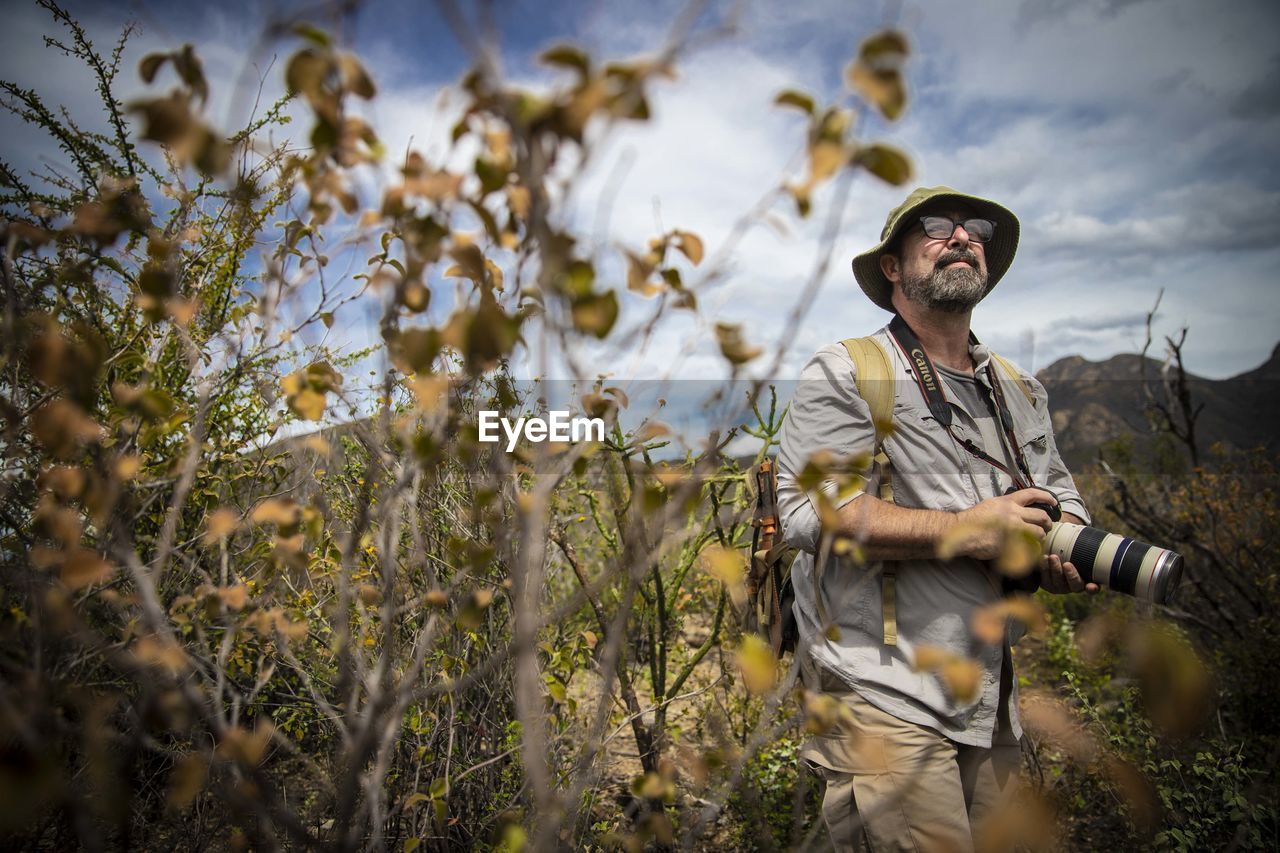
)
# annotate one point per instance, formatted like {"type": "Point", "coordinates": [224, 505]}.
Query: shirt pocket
{"type": "Point", "coordinates": [925, 469]}
{"type": "Point", "coordinates": [1036, 450]}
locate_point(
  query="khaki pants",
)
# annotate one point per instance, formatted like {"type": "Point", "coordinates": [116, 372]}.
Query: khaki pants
{"type": "Point", "coordinates": [893, 785]}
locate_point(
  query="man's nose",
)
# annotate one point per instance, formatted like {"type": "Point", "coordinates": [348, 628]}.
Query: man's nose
{"type": "Point", "coordinates": [959, 238]}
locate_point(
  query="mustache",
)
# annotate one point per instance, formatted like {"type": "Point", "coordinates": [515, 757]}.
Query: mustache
{"type": "Point", "coordinates": [950, 257]}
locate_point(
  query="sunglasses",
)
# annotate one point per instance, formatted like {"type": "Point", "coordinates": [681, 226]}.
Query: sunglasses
{"type": "Point", "coordinates": [941, 228]}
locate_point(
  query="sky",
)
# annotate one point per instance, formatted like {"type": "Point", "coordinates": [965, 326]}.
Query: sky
{"type": "Point", "coordinates": [1136, 140]}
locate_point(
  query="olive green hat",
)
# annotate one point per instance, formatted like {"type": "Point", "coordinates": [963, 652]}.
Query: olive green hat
{"type": "Point", "coordinates": [999, 249]}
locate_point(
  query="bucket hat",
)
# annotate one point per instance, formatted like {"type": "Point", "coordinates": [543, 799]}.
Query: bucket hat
{"type": "Point", "coordinates": [999, 249]}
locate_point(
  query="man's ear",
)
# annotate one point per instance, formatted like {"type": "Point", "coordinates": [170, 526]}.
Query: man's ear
{"type": "Point", "coordinates": [891, 267]}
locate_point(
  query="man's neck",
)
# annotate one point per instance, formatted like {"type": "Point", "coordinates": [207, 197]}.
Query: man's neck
{"type": "Point", "coordinates": [945, 336]}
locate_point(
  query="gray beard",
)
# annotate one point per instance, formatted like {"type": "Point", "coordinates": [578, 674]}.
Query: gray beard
{"type": "Point", "coordinates": [953, 290]}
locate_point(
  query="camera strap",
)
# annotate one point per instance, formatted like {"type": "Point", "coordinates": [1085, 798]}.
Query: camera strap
{"type": "Point", "coordinates": [930, 384]}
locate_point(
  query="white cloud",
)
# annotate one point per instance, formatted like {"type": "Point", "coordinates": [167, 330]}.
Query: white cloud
{"type": "Point", "coordinates": [1133, 139]}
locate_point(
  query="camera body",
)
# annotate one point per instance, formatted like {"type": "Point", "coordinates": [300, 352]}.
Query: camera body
{"type": "Point", "coordinates": [1110, 560]}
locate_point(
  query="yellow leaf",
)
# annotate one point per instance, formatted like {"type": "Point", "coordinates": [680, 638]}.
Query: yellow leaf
{"type": "Point", "coordinates": [928, 657]}
{"type": "Point", "coordinates": [235, 597]}
{"type": "Point", "coordinates": [64, 481]}
{"type": "Point", "coordinates": [732, 345]}
{"type": "Point", "coordinates": [876, 75]}
{"type": "Point", "coordinates": [963, 678]}
{"type": "Point", "coordinates": [308, 404]}
{"type": "Point", "coordinates": [956, 540]}
{"type": "Point", "coordinates": [290, 629]}
{"type": "Point", "coordinates": [652, 430]}
{"type": "Point", "coordinates": [430, 391]}
{"type": "Point", "coordinates": [1051, 720]}
{"type": "Point", "coordinates": [316, 444]}
{"type": "Point", "coordinates": [63, 427]}
{"type": "Point", "coordinates": [1177, 687]}
{"type": "Point", "coordinates": [187, 780]}
{"type": "Point", "coordinates": [415, 296]}
{"type": "Point", "coordinates": [1028, 611]}
{"type": "Point", "coordinates": [727, 565]}
{"type": "Point", "coordinates": [821, 712]}
{"type": "Point", "coordinates": [247, 747]}
{"type": "Point", "coordinates": [282, 511]}
{"type": "Point", "coordinates": [691, 245]}
{"type": "Point", "coordinates": [1098, 635]}
{"type": "Point", "coordinates": [519, 199]}
{"type": "Point", "coordinates": [759, 666]}
{"type": "Point", "coordinates": [355, 78]}
{"type": "Point", "coordinates": [639, 271]}
{"type": "Point", "coordinates": [128, 466]}
{"type": "Point", "coordinates": [825, 159]}
{"type": "Point", "coordinates": [651, 786]}
{"type": "Point", "coordinates": [494, 273]}
{"type": "Point", "coordinates": [165, 654]}
{"type": "Point", "coordinates": [1020, 552]}
{"type": "Point", "coordinates": [1023, 821]}
{"type": "Point", "coordinates": [83, 567]}
{"type": "Point", "coordinates": [988, 623]}
{"type": "Point", "coordinates": [1137, 792]}
{"type": "Point", "coordinates": [221, 523]}
{"type": "Point", "coordinates": [182, 310]}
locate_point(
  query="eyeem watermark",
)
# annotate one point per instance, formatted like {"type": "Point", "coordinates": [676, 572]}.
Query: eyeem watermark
{"type": "Point", "coordinates": [557, 426]}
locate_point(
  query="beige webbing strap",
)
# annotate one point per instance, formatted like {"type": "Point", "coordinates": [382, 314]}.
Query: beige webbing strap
{"type": "Point", "coordinates": [889, 604]}
{"type": "Point", "coordinates": [874, 378]}
{"type": "Point", "coordinates": [1012, 372]}
{"type": "Point", "coordinates": [873, 375]}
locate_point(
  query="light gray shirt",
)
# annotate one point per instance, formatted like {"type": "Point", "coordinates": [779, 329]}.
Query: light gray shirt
{"type": "Point", "coordinates": [936, 599]}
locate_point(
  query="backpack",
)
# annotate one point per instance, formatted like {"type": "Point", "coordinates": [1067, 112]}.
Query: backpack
{"type": "Point", "coordinates": [769, 591]}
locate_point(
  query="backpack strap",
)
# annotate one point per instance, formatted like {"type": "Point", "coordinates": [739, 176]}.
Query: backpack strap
{"type": "Point", "coordinates": [1012, 373]}
{"type": "Point", "coordinates": [873, 374]}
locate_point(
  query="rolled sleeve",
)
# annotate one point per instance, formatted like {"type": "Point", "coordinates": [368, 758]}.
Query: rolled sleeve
{"type": "Point", "coordinates": [1059, 481]}
{"type": "Point", "coordinates": [825, 414]}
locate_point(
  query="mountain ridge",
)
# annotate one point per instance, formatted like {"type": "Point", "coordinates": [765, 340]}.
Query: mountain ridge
{"type": "Point", "coordinates": [1096, 403]}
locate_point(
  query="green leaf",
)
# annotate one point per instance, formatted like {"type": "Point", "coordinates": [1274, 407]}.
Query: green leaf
{"type": "Point", "coordinates": [579, 278]}
{"type": "Point", "coordinates": [312, 33]}
{"type": "Point", "coordinates": [887, 45]}
{"type": "Point", "coordinates": [595, 314]}
{"type": "Point", "coordinates": [886, 163]}
{"type": "Point", "coordinates": [799, 100]}
{"type": "Point", "coordinates": [567, 56]}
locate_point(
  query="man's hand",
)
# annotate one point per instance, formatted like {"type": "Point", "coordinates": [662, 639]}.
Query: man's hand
{"type": "Point", "coordinates": [989, 522]}
{"type": "Point", "coordinates": [1062, 578]}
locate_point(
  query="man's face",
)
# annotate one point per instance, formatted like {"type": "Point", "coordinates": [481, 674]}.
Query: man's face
{"type": "Point", "coordinates": [943, 274]}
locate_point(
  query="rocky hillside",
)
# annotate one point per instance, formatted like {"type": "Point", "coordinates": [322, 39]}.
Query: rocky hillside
{"type": "Point", "coordinates": [1095, 403]}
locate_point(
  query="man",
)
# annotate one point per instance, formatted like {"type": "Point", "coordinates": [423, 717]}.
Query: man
{"type": "Point", "coordinates": [917, 760]}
